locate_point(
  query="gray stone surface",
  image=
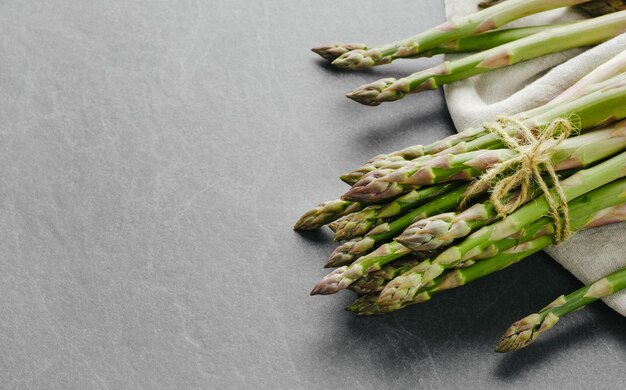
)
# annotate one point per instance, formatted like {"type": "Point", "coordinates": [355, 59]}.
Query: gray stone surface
{"type": "Point", "coordinates": [154, 156]}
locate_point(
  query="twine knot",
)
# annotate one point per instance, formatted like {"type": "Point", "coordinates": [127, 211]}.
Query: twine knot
{"type": "Point", "coordinates": [524, 171]}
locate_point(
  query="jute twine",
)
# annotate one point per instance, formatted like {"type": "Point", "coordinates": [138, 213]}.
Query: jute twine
{"type": "Point", "coordinates": [522, 172]}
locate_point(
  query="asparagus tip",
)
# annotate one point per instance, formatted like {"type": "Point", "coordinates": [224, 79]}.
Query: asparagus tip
{"type": "Point", "coordinates": [367, 305]}
{"type": "Point", "coordinates": [369, 94]}
{"type": "Point", "coordinates": [400, 289]}
{"type": "Point", "coordinates": [523, 332]}
{"type": "Point", "coordinates": [373, 192]}
{"type": "Point", "coordinates": [304, 223]}
{"type": "Point", "coordinates": [359, 59]}
{"type": "Point", "coordinates": [331, 283]}
{"type": "Point", "coordinates": [332, 51]}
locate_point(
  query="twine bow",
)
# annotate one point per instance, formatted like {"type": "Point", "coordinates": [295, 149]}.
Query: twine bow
{"type": "Point", "coordinates": [534, 152]}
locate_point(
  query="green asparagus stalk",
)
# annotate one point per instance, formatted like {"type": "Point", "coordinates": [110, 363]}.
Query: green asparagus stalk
{"type": "Point", "coordinates": [456, 28]}
{"type": "Point", "coordinates": [583, 33]}
{"type": "Point", "coordinates": [576, 185]}
{"type": "Point", "coordinates": [359, 223]}
{"type": "Point", "coordinates": [526, 330]}
{"type": "Point", "coordinates": [325, 213]}
{"type": "Point", "coordinates": [478, 42]}
{"type": "Point", "coordinates": [485, 41]}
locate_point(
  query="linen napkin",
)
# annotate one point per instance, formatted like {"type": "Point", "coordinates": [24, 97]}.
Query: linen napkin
{"type": "Point", "coordinates": [588, 255]}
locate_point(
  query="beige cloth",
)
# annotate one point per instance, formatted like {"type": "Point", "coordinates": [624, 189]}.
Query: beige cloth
{"type": "Point", "coordinates": [588, 255]}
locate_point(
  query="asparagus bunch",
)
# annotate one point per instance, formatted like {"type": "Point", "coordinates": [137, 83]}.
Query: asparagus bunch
{"type": "Point", "coordinates": [413, 224]}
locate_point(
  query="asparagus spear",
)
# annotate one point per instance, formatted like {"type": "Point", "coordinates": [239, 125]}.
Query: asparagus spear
{"type": "Point", "coordinates": [576, 185]}
{"type": "Point", "coordinates": [326, 212]}
{"type": "Point", "coordinates": [478, 42]}
{"type": "Point", "coordinates": [485, 41]}
{"type": "Point", "coordinates": [526, 330]}
{"type": "Point", "coordinates": [359, 223]}
{"type": "Point", "coordinates": [583, 33]}
{"type": "Point", "coordinates": [456, 28]}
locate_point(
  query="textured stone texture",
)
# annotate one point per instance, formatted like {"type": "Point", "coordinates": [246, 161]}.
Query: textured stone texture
{"type": "Point", "coordinates": [154, 156]}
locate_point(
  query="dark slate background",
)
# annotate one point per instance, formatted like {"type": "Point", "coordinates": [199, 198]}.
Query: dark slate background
{"type": "Point", "coordinates": [155, 155]}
